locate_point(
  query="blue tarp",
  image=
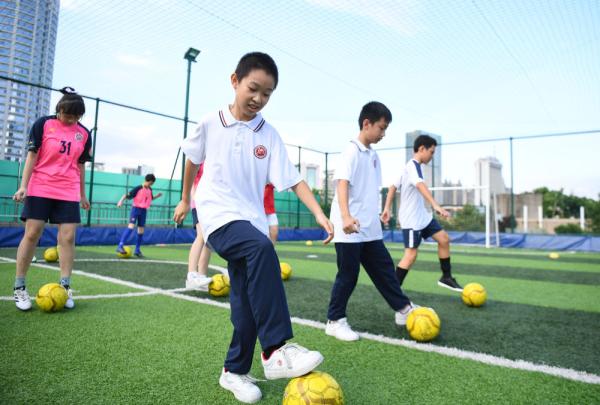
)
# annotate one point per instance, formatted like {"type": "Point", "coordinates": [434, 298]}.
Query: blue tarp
{"type": "Point", "coordinates": [11, 236]}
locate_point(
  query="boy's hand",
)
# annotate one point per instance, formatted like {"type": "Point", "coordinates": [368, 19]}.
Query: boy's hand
{"type": "Point", "coordinates": [350, 225]}
{"type": "Point", "coordinates": [85, 203]}
{"type": "Point", "coordinates": [158, 195]}
{"type": "Point", "coordinates": [441, 211]}
{"type": "Point", "coordinates": [119, 204]}
{"type": "Point", "coordinates": [181, 211]}
{"type": "Point", "coordinates": [327, 225]}
{"type": "Point", "coordinates": [20, 194]}
{"type": "Point", "coordinates": [385, 217]}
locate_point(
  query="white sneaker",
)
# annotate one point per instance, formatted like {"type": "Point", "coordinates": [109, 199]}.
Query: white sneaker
{"type": "Point", "coordinates": [242, 385]}
{"type": "Point", "coordinates": [341, 330]}
{"type": "Point", "coordinates": [289, 361]}
{"type": "Point", "coordinates": [197, 281]}
{"type": "Point", "coordinates": [403, 313]}
{"type": "Point", "coordinates": [70, 304]}
{"type": "Point", "coordinates": [22, 299]}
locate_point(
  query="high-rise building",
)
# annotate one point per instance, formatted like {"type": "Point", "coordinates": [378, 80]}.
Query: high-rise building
{"type": "Point", "coordinates": [432, 172]}
{"type": "Point", "coordinates": [488, 173]}
{"type": "Point", "coordinates": [27, 43]}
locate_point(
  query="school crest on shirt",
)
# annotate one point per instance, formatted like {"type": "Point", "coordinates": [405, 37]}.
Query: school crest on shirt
{"type": "Point", "coordinates": [260, 152]}
{"type": "Point", "coordinates": [78, 137]}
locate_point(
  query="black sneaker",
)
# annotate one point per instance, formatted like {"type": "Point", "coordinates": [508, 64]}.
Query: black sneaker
{"type": "Point", "coordinates": [139, 255]}
{"type": "Point", "coordinates": [450, 283]}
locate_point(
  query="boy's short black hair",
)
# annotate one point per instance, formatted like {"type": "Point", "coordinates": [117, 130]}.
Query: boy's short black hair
{"type": "Point", "coordinates": [70, 103]}
{"type": "Point", "coordinates": [256, 60]}
{"type": "Point", "coordinates": [424, 140]}
{"type": "Point", "coordinates": [374, 111]}
{"type": "Point", "coordinates": [150, 177]}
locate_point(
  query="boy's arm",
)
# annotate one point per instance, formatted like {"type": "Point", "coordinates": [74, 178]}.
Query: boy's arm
{"type": "Point", "coordinates": [156, 196]}
{"type": "Point", "coordinates": [29, 165]}
{"type": "Point", "coordinates": [188, 180]}
{"type": "Point", "coordinates": [306, 196]}
{"type": "Point", "coordinates": [85, 204]}
{"type": "Point", "coordinates": [422, 187]}
{"type": "Point", "coordinates": [349, 223]}
{"type": "Point", "coordinates": [122, 200]}
{"type": "Point", "coordinates": [385, 215]}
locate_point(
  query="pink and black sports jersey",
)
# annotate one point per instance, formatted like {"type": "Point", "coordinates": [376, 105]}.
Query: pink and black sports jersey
{"type": "Point", "coordinates": [195, 185]}
{"type": "Point", "coordinates": [60, 149]}
{"type": "Point", "coordinates": [142, 196]}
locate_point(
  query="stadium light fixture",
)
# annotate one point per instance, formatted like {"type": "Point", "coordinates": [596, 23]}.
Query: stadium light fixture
{"type": "Point", "coordinates": [190, 56]}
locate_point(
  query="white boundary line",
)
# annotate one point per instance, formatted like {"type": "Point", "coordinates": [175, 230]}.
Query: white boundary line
{"type": "Point", "coordinates": [566, 373]}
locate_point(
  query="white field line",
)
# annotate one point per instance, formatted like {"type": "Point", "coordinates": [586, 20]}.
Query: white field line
{"type": "Point", "coordinates": [567, 373]}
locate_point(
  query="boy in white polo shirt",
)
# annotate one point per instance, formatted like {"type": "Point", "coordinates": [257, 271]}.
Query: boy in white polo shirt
{"type": "Point", "coordinates": [416, 221]}
{"type": "Point", "coordinates": [355, 210]}
{"type": "Point", "coordinates": [241, 154]}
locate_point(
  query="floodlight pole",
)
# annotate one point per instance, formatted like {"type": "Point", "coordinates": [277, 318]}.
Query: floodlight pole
{"type": "Point", "coordinates": [512, 190]}
{"type": "Point", "coordinates": [190, 56]}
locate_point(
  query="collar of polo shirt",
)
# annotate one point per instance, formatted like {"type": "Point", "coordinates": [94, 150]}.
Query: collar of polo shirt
{"type": "Point", "coordinates": [228, 120]}
{"type": "Point", "coordinates": [360, 146]}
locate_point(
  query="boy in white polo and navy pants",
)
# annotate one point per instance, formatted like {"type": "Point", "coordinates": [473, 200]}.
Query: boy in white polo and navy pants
{"type": "Point", "coordinates": [241, 154]}
{"type": "Point", "coordinates": [355, 210]}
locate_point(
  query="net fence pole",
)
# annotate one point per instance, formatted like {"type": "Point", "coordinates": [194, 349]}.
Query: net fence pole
{"type": "Point", "coordinates": [487, 217]}
{"type": "Point", "coordinates": [297, 199]}
{"type": "Point", "coordinates": [512, 189]}
{"type": "Point", "coordinates": [95, 135]}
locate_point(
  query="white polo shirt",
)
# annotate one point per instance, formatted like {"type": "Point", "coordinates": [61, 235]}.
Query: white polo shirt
{"type": "Point", "coordinates": [240, 158]}
{"type": "Point", "coordinates": [362, 168]}
{"type": "Point", "coordinates": [412, 212]}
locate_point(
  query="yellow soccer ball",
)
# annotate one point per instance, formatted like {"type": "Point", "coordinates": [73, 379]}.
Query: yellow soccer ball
{"type": "Point", "coordinates": [313, 388]}
{"type": "Point", "coordinates": [309, 243]}
{"type": "Point", "coordinates": [127, 254]}
{"type": "Point", "coordinates": [219, 286]}
{"type": "Point", "coordinates": [553, 255]}
{"type": "Point", "coordinates": [51, 255]}
{"type": "Point", "coordinates": [474, 295]}
{"type": "Point", "coordinates": [286, 271]}
{"type": "Point", "coordinates": [423, 324]}
{"type": "Point", "coordinates": [51, 297]}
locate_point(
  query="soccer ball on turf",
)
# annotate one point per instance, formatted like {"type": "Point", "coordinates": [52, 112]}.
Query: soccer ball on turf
{"type": "Point", "coordinates": [309, 243]}
{"type": "Point", "coordinates": [423, 324]}
{"type": "Point", "coordinates": [313, 388]}
{"type": "Point", "coordinates": [474, 295]}
{"type": "Point", "coordinates": [286, 271]}
{"type": "Point", "coordinates": [51, 297]}
{"type": "Point", "coordinates": [219, 286]}
{"type": "Point", "coordinates": [553, 255]}
{"type": "Point", "coordinates": [127, 254]}
{"type": "Point", "coordinates": [51, 255]}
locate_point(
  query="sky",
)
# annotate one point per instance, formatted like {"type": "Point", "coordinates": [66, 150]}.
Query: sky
{"type": "Point", "coordinates": [476, 70]}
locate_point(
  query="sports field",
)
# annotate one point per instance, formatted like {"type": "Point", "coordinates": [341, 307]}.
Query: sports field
{"type": "Point", "coordinates": [135, 337]}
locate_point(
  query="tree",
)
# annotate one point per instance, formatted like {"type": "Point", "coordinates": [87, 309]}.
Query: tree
{"type": "Point", "coordinates": [467, 219]}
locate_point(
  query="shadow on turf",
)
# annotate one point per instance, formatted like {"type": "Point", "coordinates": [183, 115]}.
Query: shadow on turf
{"type": "Point", "coordinates": [563, 338]}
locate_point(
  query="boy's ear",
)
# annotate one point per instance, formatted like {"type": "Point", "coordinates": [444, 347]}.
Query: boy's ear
{"type": "Point", "coordinates": [366, 123]}
{"type": "Point", "coordinates": [234, 80]}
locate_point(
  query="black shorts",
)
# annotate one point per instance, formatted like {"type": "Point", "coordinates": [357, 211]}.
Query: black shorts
{"type": "Point", "coordinates": [413, 238]}
{"type": "Point", "coordinates": [51, 210]}
{"type": "Point", "coordinates": [194, 217]}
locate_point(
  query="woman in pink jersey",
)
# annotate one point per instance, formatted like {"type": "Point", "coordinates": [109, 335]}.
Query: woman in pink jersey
{"type": "Point", "coordinates": [197, 277]}
{"type": "Point", "coordinates": [53, 188]}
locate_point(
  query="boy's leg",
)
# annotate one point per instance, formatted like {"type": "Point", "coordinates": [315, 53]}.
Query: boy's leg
{"type": "Point", "coordinates": [378, 263]}
{"type": "Point", "coordinates": [447, 281]}
{"type": "Point", "coordinates": [141, 221]}
{"type": "Point", "coordinates": [33, 231]}
{"type": "Point", "coordinates": [348, 263]}
{"type": "Point", "coordinates": [404, 265]}
{"type": "Point", "coordinates": [260, 279]}
{"type": "Point", "coordinates": [199, 257]}
{"type": "Point", "coordinates": [139, 240]}
{"type": "Point", "coordinates": [243, 341]}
